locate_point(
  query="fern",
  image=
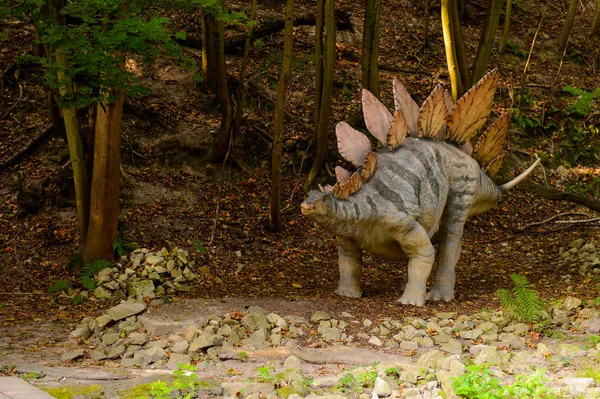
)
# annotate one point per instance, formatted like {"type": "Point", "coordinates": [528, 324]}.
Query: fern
{"type": "Point", "coordinates": [522, 302]}
{"type": "Point", "coordinates": [88, 283]}
{"type": "Point", "coordinates": [91, 269]}
{"type": "Point", "coordinates": [59, 285]}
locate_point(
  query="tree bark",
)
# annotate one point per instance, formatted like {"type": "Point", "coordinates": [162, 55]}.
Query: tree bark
{"type": "Point", "coordinates": [506, 29]}
{"type": "Point", "coordinates": [596, 21]}
{"type": "Point", "coordinates": [370, 47]}
{"type": "Point", "coordinates": [459, 44]}
{"type": "Point", "coordinates": [275, 201]}
{"type": "Point", "coordinates": [486, 43]}
{"type": "Point", "coordinates": [319, 57]}
{"type": "Point", "coordinates": [563, 39]}
{"type": "Point", "coordinates": [209, 52]}
{"type": "Point", "coordinates": [220, 145]}
{"type": "Point", "coordinates": [451, 55]}
{"type": "Point", "coordinates": [426, 25]}
{"type": "Point", "coordinates": [104, 198]}
{"type": "Point", "coordinates": [327, 89]}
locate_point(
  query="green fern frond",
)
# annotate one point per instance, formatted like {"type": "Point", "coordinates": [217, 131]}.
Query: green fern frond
{"type": "Point", "coordinates": [523, 302]}
{"type": "Point", "coordinates": [59, 285]}
{"type": "Point", "coordinates": [91, 269]}
{"type": "Point", "coordinates": [88, 282]}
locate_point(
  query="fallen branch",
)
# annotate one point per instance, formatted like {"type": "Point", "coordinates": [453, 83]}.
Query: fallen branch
{"type": "Point", "coordinates": [556, 195]}
{"type": "Point", "coordinates": [29, 147]}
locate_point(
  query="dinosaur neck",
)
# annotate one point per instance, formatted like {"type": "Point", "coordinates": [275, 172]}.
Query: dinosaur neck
{"type": "Point", "coordinates": [342, 218]}
{"type": "Point", "coordinates": [487, 196]}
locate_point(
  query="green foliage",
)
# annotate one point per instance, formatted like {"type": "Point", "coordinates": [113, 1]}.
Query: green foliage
{"type": "Point", "coordinates": [514, 48]}
{"type": "Point", "coordinates": [585, 100]}
{"type": "Point", "coordinates": [522, 302]}
{"type": "Point", "coordinates": [580, 143]}
{"type": "Point", "coordinates": [92, 269]}
{"type": "Point", "coordinates": [478, 382]}
{"type": "Point", "coordinates": [265, 373]}
{"type": "Point", "coordinates": [120, 246]}
{"type": "Point", "coordinates": [184, 385]}
{"type": "Point", "coordinates": [59, 286]}
{"type": "Point", "coordinates": [594, 339]}
{"type": "Point", "coordinates": [585, 187]}
{"type": "Point", "coordinates": [356, 382]}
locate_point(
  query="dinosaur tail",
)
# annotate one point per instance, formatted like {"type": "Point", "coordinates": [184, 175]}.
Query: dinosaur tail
{"type": "Point", "coordinates": [507, 186]}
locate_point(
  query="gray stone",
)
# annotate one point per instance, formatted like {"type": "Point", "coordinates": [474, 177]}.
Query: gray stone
{"type": "Point", "coordinates": [138, 338]}
{"type": "Point", "coordinates": [205, 340]}
{"type": "Point", "coordinates": [125, 310]}
{"type": "Point", "coordinates": [470, 334]}
{"type": "Point", "coordinates": [375, 341]}
{"type": "Point", "coordinates": [103, 321]}
{"type": "Point", "coordinates": [447, 315]}
{"type": "Point", "coordinates": [246, 388]}
{"type": "Point", "coordinates": [408, 345]}
{"type": "Point", "coordinates": [102, 293]}
{"type": "Point", "coordinates": [488, 355]}
{"type": "Point", "coordinates": [176, 359]}
{"type": "Point", "coordinates": [72, 355]}
{"type": "Point", "coordinates": [82, 331]}
{"type": "Point", "coordinates": [382, 388]}
{"type": "Point", "coordinates": [518, 328]}
{"type": "Point", "coordinates": [292, 363]}
{"type": "Point", "coordinates": [453, 346]}
{"type": "Point", "coordinates": [367, 323]}
{"type": "Point", "coordinates": [277, 320]}
{"type": "Point", "coordinates": [318, 316]}
{"type": "Point", "coordinates": [579, 385]}
{"type": "Point", "coordinates": [110, 338]}
{"type": "Point", "coordinates": [571, 303]}
{"type": "Point", "coordinates": [150, 355]}
{"type": "Point", "coordinates": [592, 325]}
{"type": "Point", "coordinates": [141, 289]}
{"type": "Point", "coordinates": [410, 332]}
{"type": "Point", "coordinates": [441, 338]}
{"type": "Point", "coordinates": [160, 343]}
{"type": "Point", "coordinates": [430, 359]}
{"type": "Point", "coordinates": [180, 346]}
{"type": "Point", "coordinates": [115, 351]}
{"type": "Point", "coordinates": [97, 355]}
{"type": "Point", "coordinates": [154, 260]}
{"type": "Point", "coordinates": [131, 362]}
{"type": "Point", "coordinates": [330, 333]}
{"type": "Point", "coordinates": [257, 310]}
{"type": "Point", "coordinates": [254, 321]}
{"type": "Point", "coordinates": [457, 368]}
{"type": "Point", "coordinates": [578, 243]}
{"type": "Point", "coordinates": [488, 327]}
{"type": "Point", "coordinates": [570, 350]}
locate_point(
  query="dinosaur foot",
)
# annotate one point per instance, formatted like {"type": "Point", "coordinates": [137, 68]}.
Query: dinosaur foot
{"type": "Point", "coordinates": [350, 292]}
{"type": "Point", "coordinates": [440, 294]}
{"type": "Point", "coordinates": [417, 300]}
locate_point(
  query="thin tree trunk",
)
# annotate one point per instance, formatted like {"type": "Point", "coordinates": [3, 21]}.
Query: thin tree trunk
{"type": "Point", "coordinates": [486, 43]}
{"type": "Point", "coordinates": [104, 198]}
{"type": "Point", "coordinates": [220, 145]}
{"type": "Point", "coordinates": [370, 47]}
{"type": "Point", "coordinates": [506, 29]}
{"type": "Point", "coordinates": [563, 39]}
{"type": "Point", "coordinates": [596, 21]}
{"type": "Point", "coordinates": [319, 56]}
{"type": "Point", "coordinates": [275, 202]}
{"type": "Point", "coordinates": [209, 52]}
{"type": "Point", "coordinates": [451, 56]}
{"type": "Point", "coordinates": [241, 94]}
{"type": "Point", "coordinates": [459, 47]}
{"type": "Point", "coordinates": [327, 87]}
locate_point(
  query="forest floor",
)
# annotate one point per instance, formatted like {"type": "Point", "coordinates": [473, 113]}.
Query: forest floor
{"type": "Point", "coordinates": [171, 198]}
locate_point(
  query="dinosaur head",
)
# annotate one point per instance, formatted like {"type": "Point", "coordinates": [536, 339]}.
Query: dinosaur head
{"type": "Point", "coordinates": [316, 206]}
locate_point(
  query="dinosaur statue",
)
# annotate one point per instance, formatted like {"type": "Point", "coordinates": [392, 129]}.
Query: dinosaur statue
{"type": "Point", "coordinates": [423, 183]}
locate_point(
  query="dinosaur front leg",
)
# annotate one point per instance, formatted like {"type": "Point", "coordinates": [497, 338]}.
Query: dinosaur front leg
{"type": "Point", "coordinates": [350, 262]}
{"type": "Point", "coordinates": [415, 242]}
{"type": "Point", "coordinates": [449, 252]}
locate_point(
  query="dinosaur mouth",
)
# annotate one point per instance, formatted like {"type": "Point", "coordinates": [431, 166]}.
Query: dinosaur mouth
{"type": "Point", "coordinates": [306, 208]}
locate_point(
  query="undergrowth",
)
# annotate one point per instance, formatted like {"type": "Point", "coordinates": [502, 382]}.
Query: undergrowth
{"type": "Point", "coordinates": [522, 302]}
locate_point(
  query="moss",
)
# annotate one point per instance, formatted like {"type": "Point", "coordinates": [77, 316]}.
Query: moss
{"type": "Point", "coordinates": [284, 392]}
{"type": "Point", "coordinates": [136, 392]}
{"type": "Point", "coordinates": [87, 391]}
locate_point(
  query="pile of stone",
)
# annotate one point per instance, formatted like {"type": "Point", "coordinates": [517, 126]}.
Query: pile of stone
{"type": "Point", "coordinates": [148, 274]}
{"type": "Point", "coordinates": [582, 257]}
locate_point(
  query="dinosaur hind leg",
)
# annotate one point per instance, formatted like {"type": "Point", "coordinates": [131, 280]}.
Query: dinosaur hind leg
{"type": "Point", "coordinates": [414, 241]}
{"type": "Point", "coordinates": [350, 263]}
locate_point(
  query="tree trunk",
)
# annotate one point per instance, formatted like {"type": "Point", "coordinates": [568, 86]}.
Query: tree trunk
{"type": "Point", "coordinates": [449, 43]}
{"type": "Point", "coordinates": [319, 57]}
{"type": "Point", "coordinates": [288, 36]}
{"type": "Point", "coordinates": [104, 198]}
{"type": "Point", "coordinates": [486, 43]}
{"type": "Point", "coordinates": [327, 89]}
{"type": "Point", "coordinates": [426, 25]}
{"type": "Point", "coordinates": [563, 39]}
{"type": "Point", "coordinates": [506, 29]}
{"type": "Point", "coordinates": [459, 44]}
{"type": "Point", "coordinates": [241, 94]}
{"type": "Point", "coordinates": [370, 47]}
{"type": "Point", "coordinates": [220, 145]}
{"type": "Point", "coordinates": [210, 38]}
{"type": "Point", "coordinates": [596, 21]}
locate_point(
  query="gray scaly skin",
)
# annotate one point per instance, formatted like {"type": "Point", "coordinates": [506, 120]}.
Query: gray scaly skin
{"type": "Point", "coordinates": [421, 189]}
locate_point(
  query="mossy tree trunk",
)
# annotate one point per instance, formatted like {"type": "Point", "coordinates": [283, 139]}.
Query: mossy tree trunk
{"type": "Point", "coordinates": [506, 28]}
{"type": "Point", "coordinates": [370, 47]}
{"type": "Point", "coordinates": [447, 9]}
{"type": "Point", "coordinates": [565, 32]}
{"type": "Point", "coordinates": [486, 43]}
{"type": "Point", "coordinates": [286, 69]}
{"type": "Point", "coordinates": [210, 37]}
{"type": "Point", "coordinates": [326, 87]}
{"type": "Point", "coordinates": [596, 20]}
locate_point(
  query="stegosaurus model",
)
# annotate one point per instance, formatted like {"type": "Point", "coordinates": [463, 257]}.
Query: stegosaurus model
{"type": "Point", "coordinates": [419, 188]}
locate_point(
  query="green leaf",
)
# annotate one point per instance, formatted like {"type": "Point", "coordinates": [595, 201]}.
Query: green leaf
{"type": "Point", "coordinates": [59, 285]}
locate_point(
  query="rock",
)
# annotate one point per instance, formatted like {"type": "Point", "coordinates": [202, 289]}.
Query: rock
{"type": "Point", "coordinates": [518, 328]}
{"type": "Point", "coordinates": [570, 350]}
{"type": "Point", "coordinates": [110, 338]}
{"type": "Point", "coordinates": [150, 355]}
{"type": "Point", "coordinates": [318, 316]}
{"type": "Point", "coordinates": [453, 346]}
{"type": "Point", "coordinates": [137, 338]}
{"type": "Point", "coordinates": [82, 331]}
{"type": "Point", "coordinates": [154, 260]}
{"type": "Point", "coordinates": [72, 355]}
{"type": "Point", "coordinates": [141, 289]}
{"type": "Point", "coordinates": [375, 341]}
{"type": "Point", "coordinates": [382, 388]}
{"type": "Point", "coordinates": [447, 315]}
{"type": "Point", "coordinates": [430, 359]}
{"type": "Point", "coordinates": [160, 343]}
{"type": "Point", "coordinates": [457, 368]}
{"type": "Point", "coordinates": [254, 321]}
{"type": "Point", "coordinates": [578, 243]}
{"type": "Point", "coordinates": [410, 332]}
{"type": "Point", "coordinates": [367, 323]}
{"type": "Point", "coordinates": [257, 310]}
{"type": "Point", "coordinates": [579, 385]}
{"type": "Point", "coordinates": [246, 388]}
{"type": "Point", "coordinates": [330, 333]}
{"type": "Point", "coordinates": [116, 351]}
{"type": "Point", "coordinates": [180, 346]}
{"type": "Point", "coordinates": [102, 293]}
{"type": "Point", "coordinates": [205, 340]}
{"type": "Point", "coordinates": [125, 310]}
{"type": "Point", "coordinates": [445, 379]}
{"type": "Point", "coordinates": [470, 334]}
{"type": "Point", "coordinates": [292, 363]}
{"type": "Point", "coordinates": [571, 303]}
{"type": "Point", "coordinates": [177, 359]}
{"type": "Point", "coordinates": [408, 345]}
{"type": "Point", "coordinates": [488, 327]}
{"type": "Point", "coordinates": [488, 355]}
{"type": "Point", "coordinates": [592, 325]}
{"type": "Point", "coordinates": [277, 320]}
